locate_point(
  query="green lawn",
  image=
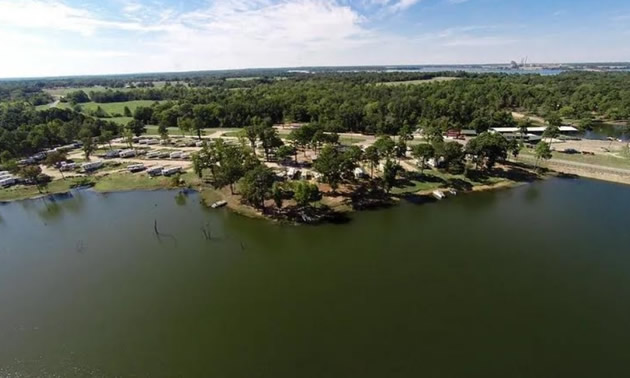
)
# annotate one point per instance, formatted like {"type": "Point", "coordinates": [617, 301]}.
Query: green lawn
{"type": "Point", "coordinates": [116, 107]}
{"type": "Point", "coordinates": [23, 192]}
{"type": "Point", "coordinates": [600, 159]}
{"type": "Point", "coordinates": [350, 140]}
{"type": "Point", "coordinates": [434, 179]}
{"type": "Point", "coordinates": [63, 91]}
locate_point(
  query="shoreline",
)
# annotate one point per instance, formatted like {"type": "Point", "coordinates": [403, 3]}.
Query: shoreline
{"type": "Point", "coordinates": [330, 204]}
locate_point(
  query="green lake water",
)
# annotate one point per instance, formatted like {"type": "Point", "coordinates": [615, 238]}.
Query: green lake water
{"type": "Point", "coordinates": [527, 282]}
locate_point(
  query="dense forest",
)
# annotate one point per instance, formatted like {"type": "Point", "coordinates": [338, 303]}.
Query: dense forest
{"type": "Point", "coordinates": [362, 102]}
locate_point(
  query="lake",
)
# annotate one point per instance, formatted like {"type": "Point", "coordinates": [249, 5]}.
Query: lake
{"type": "Point", "coordinates": [527, 282]}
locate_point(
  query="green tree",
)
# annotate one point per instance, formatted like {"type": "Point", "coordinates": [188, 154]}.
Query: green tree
{"type": "Point", "coordinates": [256, 185]}
{"type": "Point", "coordinates": [127, 112]}
{"type": "Point", "coordinates": [88, 143]}
{"type": "Point", "coordinates": [542, 151]}
{"type": "Point", "coordinates": [251, 133]}
{"type": "Point", "coordinates": [163, 131]}
{"type": "Point", "coordinates": [390, 171]}
{"type": "Point", "coordinates": [33, 174]}
{"type": "Point", "coordinates": [423, 152]}
{"type": "Point", "coordinates": [487, 149]}
{"type": "Point", "coordinates": [453, 155]}
{"type": "Point", "coordinates": [285, 152]}
{"type": "Point", "coordinates": [185, 125]}
{"type": "Point", "coordinates": [385, 146]}
{"type": "Point", "coordinates": [54, 159]}
{"type": "Point", "coordinates": [143, 114]}
{"type": "Point", "coordinates": [330, 165]}
{"type": "Point", "coordinates": [106, 138]}
{"type": "Point", "coordinates": [523, 127]}
{"type": "Point", "coordinates": [304, 193]}
{"type": "Point", "coordinates": [372, 157]}
{"type": "Point", "coordinates": [136, 127]}
{"type": "Point", "coordinates": [277, 193]}
{"type": "Point", "coordinates": [270, 140]}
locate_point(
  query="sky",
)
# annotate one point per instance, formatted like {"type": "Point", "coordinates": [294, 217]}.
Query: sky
{"type": "Point", "coordinates": [79, 37]}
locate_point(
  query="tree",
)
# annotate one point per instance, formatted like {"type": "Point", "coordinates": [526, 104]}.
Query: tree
{"type": "Point", "coordinates": [401, 149]}
{"type": "Point", "coordinates": [284, 152]}
{"type": "Point", "coordinates": [515, 148]}
{"type": "Point", "coordinates": [551, 132]}
{"type": "Point", "coordinates": [256, 186]}
{"type": "Point", "coordinates": [54, 159]}
{"type": "Point", "coordinates": [106, 138]}
{"type": "Point", "coordinates": [143, 114]}
{"type": "Point", "coordinates": [523, 127]}
{"type": "Point", "coordinates": [136, 127]}
{"type": "Point", "coordinates": [303, 136]}
{"type": "Point", "coordinates": [270, 140]}
{"type": "Point", "coordinates": [542, 151]}
{"type": "Point", "coordinates": [127, 112]}
{"type": "Point", "coordinates": [553, 119]}
{"type": "Point", "coordinates": [163, 131]}
{"type": "Point", "coordinates": [185, 124]}
{"type": "Point", "coordinates": [406, 133]}
{"type": "Point", "coordinates": [453, 154]}
{"type": "Point", "coordinates": [586, 123]}
{"type": "Point", "coordinates": [373, 157]}
{"type": "Point", "coordinates": [88, 143]}
{"type": "Point", "coordinates": [33, 174]}
{"type": "Point", "coordinates": [230, 166]}
{"type": "Point", "coordinates": [305, 192]}
{"type": "Point", "coordinates": [385, 146]}
{"type": "Point", "coordinates": [390, 170]}
{"type": "Point", "coordinates": [330, 165]}
{"type": "Point", "coordinates": [206, 116]}
{"type": "Point", "coordinates": [423, 152]}
{"type": "Point", "coordinates": [277, 193]}
{"type": "Point", "coordinates": [251, 133]}
{"type": "Point", "coordinates": [487, 149]}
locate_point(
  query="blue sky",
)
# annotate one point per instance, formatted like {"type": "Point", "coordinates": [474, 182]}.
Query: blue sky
{"type": "Point", "coordinates": [72, 37]}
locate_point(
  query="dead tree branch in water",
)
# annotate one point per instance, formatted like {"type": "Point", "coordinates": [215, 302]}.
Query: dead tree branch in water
{"type": "Point", "coordinates": [159, 234]}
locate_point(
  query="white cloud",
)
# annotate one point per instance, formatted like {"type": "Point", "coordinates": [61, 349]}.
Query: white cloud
{"type": "Point", "coordinates": [250, 33]}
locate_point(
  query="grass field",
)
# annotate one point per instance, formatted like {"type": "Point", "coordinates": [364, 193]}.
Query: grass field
{"type": "Point", "coordinates": [116, 107]}
{"type": "Point", "coordinates": [55, 92]}
{"type": "Point", "coordinates": [603, 160]}
{"type": "Point", "coordinates": [110, 183]}
{"type": "Point", "coordinates": [433, 179]}
{"type": "Point", "coordinates": [416, 82]}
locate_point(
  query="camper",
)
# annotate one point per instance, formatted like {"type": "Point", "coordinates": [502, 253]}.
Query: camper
{"type": "Point", "coordinates": [153, 141]}
{"type": "Point", "coordinates": [185, 155]}
{"type": "Point", "coordinates": [136, 168]}
{"type": "Point", "coordinates": [92, 166]}
{"type": "Point", "coordinates": [171, 171]}
{"type": "Point", "coordinates": [153, 155]}
{"type": "Point", "coordinates": [66, 167]}
{"type": "Point", "coordinates": [164, 154]}
{"type": "Point", "coordinates": [7, 182]}
{"type": "Point", "coordinates": [176, 155]}
{"type": "Point", "coordinates": [112, 154]}
{"type": "Point", "coordinates": [155, 171]}
{"type": "Point", "coordinates": [127, 153]}
{"type": "Point", "coordinates": [359, 173]}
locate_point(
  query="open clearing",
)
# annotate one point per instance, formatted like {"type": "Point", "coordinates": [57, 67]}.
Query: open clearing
{"type": "Point", "coordinates": [416, 82]}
